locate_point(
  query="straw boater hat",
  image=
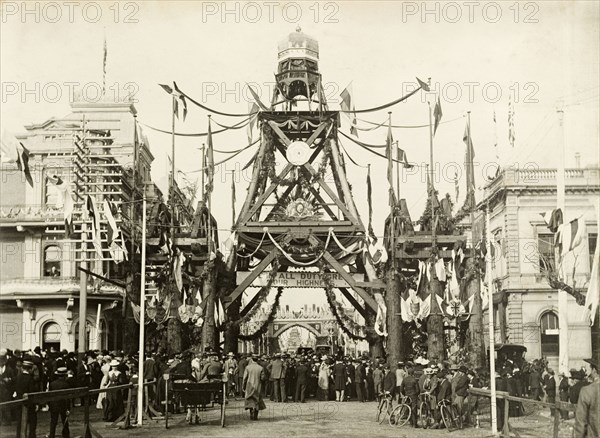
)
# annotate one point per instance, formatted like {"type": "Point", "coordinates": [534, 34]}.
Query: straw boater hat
{"type": "Point", "coordinates": [114, 363]}
{"type": "Point", "coordinates": [61, 371]}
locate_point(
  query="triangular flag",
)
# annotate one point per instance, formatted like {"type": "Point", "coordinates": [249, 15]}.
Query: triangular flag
{"type": "Point", "coordinates": [257, 98]}
{"type": "Point", "coordinates": [437, 115]}
{"type": "Point", "coordinates": [347, 105]}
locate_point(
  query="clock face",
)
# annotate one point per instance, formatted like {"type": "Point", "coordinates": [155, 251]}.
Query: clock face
{"type": "Point", "coordinates": [298, 153]}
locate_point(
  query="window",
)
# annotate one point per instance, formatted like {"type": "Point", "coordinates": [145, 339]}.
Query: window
{"type": "Point", "coordinates": [592, 242]}
{"type": "Point", "coordinates": [549, 334]}
{"type": "Point", "coordinates": [52, 259]}
{"type": "Point", "coordinates": [546, 251]}
{"type": "Point", "coordinates": [51, 336]}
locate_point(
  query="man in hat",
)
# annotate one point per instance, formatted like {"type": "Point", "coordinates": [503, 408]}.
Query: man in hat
{"type": "Point", "coordinates": [410, 388]}
{"type": "Point", "coordinates": [580, 382]}
{"type": "Point", "coordinates": [563, 393]}
{"type": "Point", "coordinates": [277, 376]}
{"type": "Point", "coordinates": [461, 389]}
{"type": "Point", "coordinates": [252, 382]}
{"type": "Point", "coordinates": [360, 376]}
{"type": "Point", "coordinates": [241, 367]}
{"type": "Point", "coordinates": [7, 380]}
{"type": "Point", "coordinates": [59, 407]}
{"type": "Point", "coordinates": [587, 417]}
{"type": "Point", "coordinates": [302, 376]}
{"type": "Point", "coordinates": [550, 388]}
{"type": "Point", "coordinates": [230, 368]}
{"type": "Point", "coordinates": [24, 383]}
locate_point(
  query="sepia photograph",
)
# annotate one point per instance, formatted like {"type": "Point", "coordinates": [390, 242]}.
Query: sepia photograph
{"type": "Point", "coordinates": [248, 218]}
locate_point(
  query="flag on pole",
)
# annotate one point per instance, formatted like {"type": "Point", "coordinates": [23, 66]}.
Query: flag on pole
{"type": "Point", "coordinates": [469, 156]}
{"type": "Point", "coordinates": [370, 204]}
{"type": "Point", "coordinates": [210, 160]}
{"type": "Point", "coordinates": [257, 98]}
{"type": "Point", "coordinates": [92, 214]}
{"type": "Point", "coordinates": [23, 163]}
{"type": "Point", "coordinates": [570, 235]}
{"type": "Point", "coordinates": [179, 97]}
{"type": "Point", "coordinates": [232, 198]}
{"type": "Point", "coordinates": [511, 121]}
{"type": "Point", "coordinates": [252, 122]}
{"type": "Point", "coordinates": [403, 160]}
{"type": "Point", "coordinates": [104, 56]}
{"type": "Point", "coordinates": [437, 115]}
{"type": "Point", "coordinates": [66, 202]}
{"type": "Point", "coordinates": [347, 104]}
{"type": "Point", "coordinates": [593, 292]}
{"type": "Point", "coordinates": [390, 167]}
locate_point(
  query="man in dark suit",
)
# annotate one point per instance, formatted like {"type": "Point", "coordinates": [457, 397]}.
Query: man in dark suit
{"type": "Point", "coordinates": [410, 387]}
{"type": "Point", "coordinates": [277, 375]}
{"type": "Point", "coordinates": [444, 392]}
{"type": "Point", "coordinates": [7, 381]}
{"type": "Point", "coordinates": [59, 408]}
{"type": "Point", "coordinates": [461, 389]}
{"type": "Point", "coordinates": [302, 376]}
{"type": "Point", "coordinates": [351, 371]}
{"type": "Point", "coordinates": [360, 376]}
{"type": "Point", "coordinates": [25, 384]}
{"type": "Point", "coordinates": [587, 418]}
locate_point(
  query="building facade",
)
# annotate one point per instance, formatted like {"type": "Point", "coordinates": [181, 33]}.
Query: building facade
{"type": "Point", "coordinates": [97, 149]}
{"type": "Point", "coordinates": [525, 306]}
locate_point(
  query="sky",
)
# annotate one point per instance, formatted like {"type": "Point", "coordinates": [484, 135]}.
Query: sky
{"type": "Point", "coordinates": [544, 55]}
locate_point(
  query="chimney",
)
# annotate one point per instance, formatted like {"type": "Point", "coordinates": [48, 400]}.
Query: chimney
{"type": "Point", "coordinates": [577, 160]}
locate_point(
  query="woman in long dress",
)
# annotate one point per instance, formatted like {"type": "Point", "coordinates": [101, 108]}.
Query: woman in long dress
{"type": "Point", "coordinates": [323, 381]}
{"type": "Point", "coordinates": [252, 384]}
{"type": "Point", "coordinates": [105, 369]}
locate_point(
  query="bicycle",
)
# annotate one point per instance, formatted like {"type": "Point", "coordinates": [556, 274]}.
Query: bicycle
{"type": "Point", "coordinates": [425, 411]}
{"type": "Point", "coordinates": [401, 413]}
{"type": "Point", "coordinates": [384, 407]}
{"type": "Point", "coordinates": [450, 416]}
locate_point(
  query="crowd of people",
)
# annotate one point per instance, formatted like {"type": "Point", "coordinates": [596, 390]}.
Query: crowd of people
{"type": "Point", "coordinates": [282, 378]}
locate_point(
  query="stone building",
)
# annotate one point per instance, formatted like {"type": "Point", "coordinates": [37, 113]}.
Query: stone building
{"type": "Point", "coordinates": [39, 276]}
{"type": "Point", "coordinates": [525, 306]}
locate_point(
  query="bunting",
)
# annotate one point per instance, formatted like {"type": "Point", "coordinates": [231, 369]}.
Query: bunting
{"type": "Point", "coordinates": [114, 236]}
{"type": "Point", "coordinates": [593, 292]}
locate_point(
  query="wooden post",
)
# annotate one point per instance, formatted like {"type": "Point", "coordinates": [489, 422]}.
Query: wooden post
{"type": "Point", "coordinates": [166, 378]}
{"type": "Point", "coordinates": [208, 329]}
{"type": "Point", "coordinates": [476, 333]}
{"type": "Point", "coordinates": [435, 321]}
{"type": "Point", "coordinates": [86, 417]}
{"type": "Point", "coordinates": [22, 430]}
{"type": "Point", "coordinates": [506, 428]}
{"type": "Point", "coordinates": [127, 421]}
{"type": "Point", "coordinates": [556, 422]}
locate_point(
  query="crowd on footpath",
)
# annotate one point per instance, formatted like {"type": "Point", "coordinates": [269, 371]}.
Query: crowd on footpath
{"type": "Point", "coordinates": [283, 378]}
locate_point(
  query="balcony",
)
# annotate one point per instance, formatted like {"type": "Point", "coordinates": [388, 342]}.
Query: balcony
{"type": "Point", "coordinates": [36, 213]}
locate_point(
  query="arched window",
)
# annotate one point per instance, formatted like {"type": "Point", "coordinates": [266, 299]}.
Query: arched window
{"type": "Point", "coordinates": [549, 333]}
{"type": "Point", "coordinates": [52, 259]}
{"type": "Point", "coordinates": [51, 336]}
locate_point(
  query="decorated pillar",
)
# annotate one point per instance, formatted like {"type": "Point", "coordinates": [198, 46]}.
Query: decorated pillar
{"type": "Point", "coordinates": [394, 346]}
{"type": "Point", "coordinates": [209, 333]}
{"type": "Point", "coordinates": [475, 338]}
{"type": "Point", "coordinates": [435, 321]}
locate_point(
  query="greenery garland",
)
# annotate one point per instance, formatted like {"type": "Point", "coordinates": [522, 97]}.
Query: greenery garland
{"type": "Point", "coordinates": [337, 310]}
{"type": "Point", "coordinates": [263, 293]}
{"type": "Point", "coordinates": [265, 325]}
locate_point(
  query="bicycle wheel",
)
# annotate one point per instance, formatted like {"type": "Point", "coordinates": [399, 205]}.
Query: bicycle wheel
{"type": "Point", "coordinates": [400, 415]}
{"type": "Point", "coordinates": [458, 421]}
{"type": "Point", "coordinates": [424, 414]}
{"type": "Point", "coordinates": [382, 411]}
{"type": "Point", "coordinates": [447, 418]}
